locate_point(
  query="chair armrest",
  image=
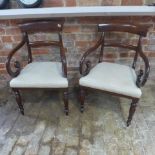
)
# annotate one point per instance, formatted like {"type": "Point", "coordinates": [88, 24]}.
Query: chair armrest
{"type": "Point", "coordinates": [87, 63]}
{"type": "Point", "coordinates": [143, 74]}
{"type": "Point", "coordinates": [16, 63]}
{"type": "Point", "coordinates": [64, 62]}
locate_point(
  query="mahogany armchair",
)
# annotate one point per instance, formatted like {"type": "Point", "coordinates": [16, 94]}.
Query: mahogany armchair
{"type": "Point", "coordinates": [48, 75]}
{"type": "Point", "coordinates": [116, 79]}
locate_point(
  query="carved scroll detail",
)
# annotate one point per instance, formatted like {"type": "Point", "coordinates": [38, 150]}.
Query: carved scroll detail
{"type": "Point", "coordinates": [16, 63]}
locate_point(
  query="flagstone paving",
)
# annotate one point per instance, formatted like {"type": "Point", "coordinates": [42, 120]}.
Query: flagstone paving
{"type": "Point", "coordinates": [100, 130]}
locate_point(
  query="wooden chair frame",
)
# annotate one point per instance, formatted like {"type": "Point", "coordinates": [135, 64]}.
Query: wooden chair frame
{"type": "Point", "coordinates": [85, 65]}
{"type": "Point", "coordinates": [54, 26]}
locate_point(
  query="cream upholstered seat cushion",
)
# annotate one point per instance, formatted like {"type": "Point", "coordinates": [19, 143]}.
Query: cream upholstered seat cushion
{"type": "Point", "coordinates": [40, 75]}
{"type": "Point", "coordinates": [114, 78]}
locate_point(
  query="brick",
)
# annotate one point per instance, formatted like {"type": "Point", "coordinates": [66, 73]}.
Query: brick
{"type": "Point", "coordinates": [2, 65]}
{"type": "Point", "coordinates": [3, 59]}
{"type": "Point", "coordinates": [85, 37]}
{"type": "Point", "coordinates": [17, 38]}
{"type": "Point", "coordinates": [70, 2]}
{"type": "Point", "coordinates": [142, 19]}
{"type": "Point", "coordinates": [151, 54]}
{"type": "Point", "coordinates": [39, 51]}
{"type": "Point", "coordinates": [132, 2]}
{"type": "Point", "coordinates": [3, 71]}
{"type": "Point", "coordinates": [4, 23]}
{"type": "Point", "coordinates": [12, 31]}
{"type": "Point", "coordinates": [4, 53]}
{"type": "Point", "coordinates": [91, 20]}
{"type": "Point", "coordinates": [110, 55]}
{"type": "Point", "coordinates": [8, 46]}
{"type": "Point", "coordinates": [88, 2]}
{"type": "Point", "coordinates": [2, 31]}
{"type": "Point", "coordinates": [83, 43]}
{"type": "Point", "coordinates": [71, 29]}
{"type": "Point", "coordinates": [88, 28]}
{"type": "Point", "coordinates": [53, 3]}
{"type": "Point", "coordinates": [111, 2]}
{"type": "Point", "coordinates": [14, 22]}
{"type": "Point", "coordinates": [6, 39]}
{"type": "Point", "coordinates": [124, 54]}
{"type": "Point", "coordinates": [118, 19]}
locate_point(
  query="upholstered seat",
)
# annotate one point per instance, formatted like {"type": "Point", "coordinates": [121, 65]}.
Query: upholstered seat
{"type": "Point", "coordinates": [40, 75]}
{"type": "Point", "coordinates": [112, 77]}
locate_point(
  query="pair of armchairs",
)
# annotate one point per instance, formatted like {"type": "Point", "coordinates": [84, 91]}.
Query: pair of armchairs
{"type": "Point", "coordinates": [113, 78]}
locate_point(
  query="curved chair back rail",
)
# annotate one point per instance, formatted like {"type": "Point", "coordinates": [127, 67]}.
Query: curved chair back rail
{"type": "Point", "coordinates": [140, 30]}
{"type": "Point", "coordinates": [43, 26]}
{"type": "Point", "coordinates": [54, 26]}
{"type": "Point", "coordinates": [135, 29]}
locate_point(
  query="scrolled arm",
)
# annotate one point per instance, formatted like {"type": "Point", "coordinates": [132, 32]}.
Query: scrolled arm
{"type": "Point", "coordinates": [85, 62]}
{"type": "Point", "coordinates": [87, 69]}
{"type": "Point", "coordinates": [16, 63]}
{"type": "Point", "coordinates": [143, 74]}
{"type": "Point", "coordinates": [139, 78]}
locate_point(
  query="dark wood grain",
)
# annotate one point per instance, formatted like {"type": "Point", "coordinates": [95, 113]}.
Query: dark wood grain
{"type": "Point", "coordinates": [42, 26]}
{"type": "Point", "coordinates": [65, 95]}
{"type": "Point", "coordinates": [130, 28]}
{"type": "Point", "coordinates": [82, 98]}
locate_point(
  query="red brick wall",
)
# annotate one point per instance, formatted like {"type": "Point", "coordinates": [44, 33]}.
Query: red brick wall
{"type": "Point", "coordinates": [78, 35]}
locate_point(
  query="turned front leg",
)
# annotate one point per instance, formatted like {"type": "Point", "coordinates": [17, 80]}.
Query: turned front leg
{"type": "Point", "coordinates": [65, 95]}
{"type": "Point", "coordinates": [132, 110]}
{"type": "Point", "coordinates": [82, 99]}
{"type": "Point", "coordinates": [18, 100]}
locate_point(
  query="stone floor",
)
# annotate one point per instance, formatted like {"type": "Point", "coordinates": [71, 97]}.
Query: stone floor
{"type": "Point", "coordinates": [100, 130]}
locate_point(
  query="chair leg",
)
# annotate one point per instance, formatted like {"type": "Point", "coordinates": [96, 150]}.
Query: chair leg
{"type": "Point", "coordinates": [82, 99]}
{"type": "Point", "coordinates": [18, 100]}
{"type": "Point", "coordinates": [65, 94]}
{"type": "Point", "coordinates": [132, 110]}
